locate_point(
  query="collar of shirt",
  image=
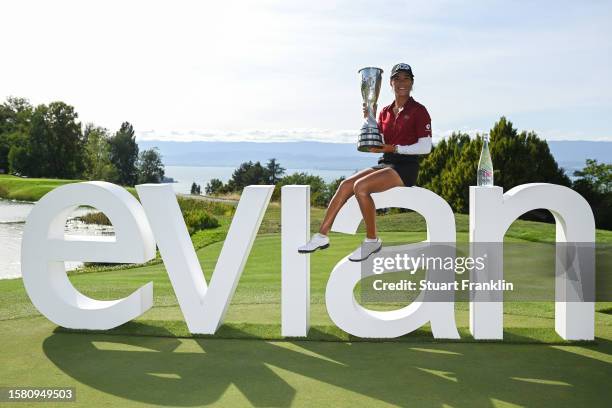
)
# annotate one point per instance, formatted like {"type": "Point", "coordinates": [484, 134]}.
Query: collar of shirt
{"type": "Point", "coordinates": [389, 108]}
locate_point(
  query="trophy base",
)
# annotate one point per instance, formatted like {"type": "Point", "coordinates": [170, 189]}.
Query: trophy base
{"type": "Point", "coordinates": [369, 140]}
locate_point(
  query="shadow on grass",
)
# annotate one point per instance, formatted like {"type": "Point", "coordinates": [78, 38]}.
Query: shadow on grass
{"type": "Point", "coordinates": [258, 331]}
{"type": "Point", "coordinates": [606, 311]}
{"type": "Point", "coordinates": [173, 371]}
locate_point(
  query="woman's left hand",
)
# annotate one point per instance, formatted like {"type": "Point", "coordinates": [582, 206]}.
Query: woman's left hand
{"type": "Point", "coordinates": [386, 148]}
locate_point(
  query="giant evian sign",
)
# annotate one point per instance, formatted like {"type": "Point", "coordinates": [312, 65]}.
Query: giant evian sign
{"type": "Point", "coordinates": [157, 220]}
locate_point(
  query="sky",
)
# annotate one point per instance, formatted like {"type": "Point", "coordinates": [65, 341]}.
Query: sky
{"type": "Point", "coordinates": [287, 70]}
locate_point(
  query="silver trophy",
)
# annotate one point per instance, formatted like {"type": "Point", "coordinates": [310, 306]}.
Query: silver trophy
{"type": "Point", "coordinates": [371, 78]}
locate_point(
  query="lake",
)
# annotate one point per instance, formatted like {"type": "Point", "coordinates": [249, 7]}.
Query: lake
{"type": "Point", "coordinates": [185, 175]}
{"type": "Point", "coordinates": [12, 220]}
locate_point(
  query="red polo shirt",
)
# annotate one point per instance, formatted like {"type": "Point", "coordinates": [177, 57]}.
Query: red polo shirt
{"type": "Point", "coordinates": [412, 123]}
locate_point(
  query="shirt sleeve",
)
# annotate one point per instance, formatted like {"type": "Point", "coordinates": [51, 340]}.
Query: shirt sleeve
{"type": "Point", "coordinates": [423, 123]}
{"type": "Point", "coordinates": [380, 125]}
{"type": "Point", "coordinates": [422, 146]}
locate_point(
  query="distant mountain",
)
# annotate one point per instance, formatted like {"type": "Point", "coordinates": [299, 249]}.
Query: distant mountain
{"type": "Point", "coordinates": [310, 155]}
{"type": "Point", "coordinates": [570, 155]}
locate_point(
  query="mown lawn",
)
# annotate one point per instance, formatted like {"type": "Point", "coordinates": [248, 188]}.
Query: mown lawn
{"type": "Point", "coordinates": [32, 189]}
{"type": "Point", "coordinates": [154, 361]}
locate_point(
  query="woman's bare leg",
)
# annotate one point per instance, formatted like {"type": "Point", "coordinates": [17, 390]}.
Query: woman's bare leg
{"type": "Point", "coordinates": [343, 193]}
{"type": "Point", "coordinates": [376, 182]}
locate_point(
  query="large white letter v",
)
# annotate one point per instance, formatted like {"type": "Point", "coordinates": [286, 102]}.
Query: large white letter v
{"type": "Point", "coordinates": [203, 307]}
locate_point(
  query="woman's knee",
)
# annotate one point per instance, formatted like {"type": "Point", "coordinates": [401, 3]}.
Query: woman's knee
{"type": "Point", "coordinates": [360, 188]}
{"type": "Point", "coordinates": [347, 185]}
{"type": "Point", "coordinates": [345, 188]}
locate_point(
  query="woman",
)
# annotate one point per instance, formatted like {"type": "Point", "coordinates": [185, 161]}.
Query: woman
{"type": "Point", "coordinates": [406, 128]}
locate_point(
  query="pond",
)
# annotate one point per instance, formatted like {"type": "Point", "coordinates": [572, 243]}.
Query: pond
{"type": "Point", "coordinates": [13, 215]}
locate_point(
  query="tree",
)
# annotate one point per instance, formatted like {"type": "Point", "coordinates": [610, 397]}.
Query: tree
{"type": "Point", "coordinates": [450, 169]}
{"type": "Point", "coordinates": [275, 171]}
{"type": "Point", "coordinates": [150, 168]}
{"type": "Point", "coordinates": [247, 174]}
{"type": "Point", "coordinates": [594, 183]}
{"type": "Point", "coordinates": [98, 165]}
{"type": "Point", "coordinates": [55, 143]}
{"type": "Point", "coordinates": [124, 154]}
{"type": "Point", "coordinates": [214, 186]}
{"type": "Point", "coordinates": [35, 160]}
{"type": "Point", "coordinates": [195, 189]}
{"type": "Point", "coordinates": [522, 158]}
{"type": "Point", "coordinates": [15, 118]}
{"type": "Point", "coordinates": [318, 188]}
{"type": "Point", "coordinates": [518, 158]}
{"type": "Point", "coordinates": [15, 113]}
{"type": "Point", "coordinates": [18, 159]}
{"type": "Point", "coordinates": [597, 175]}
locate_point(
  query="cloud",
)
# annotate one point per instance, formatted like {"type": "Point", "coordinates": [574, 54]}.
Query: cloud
{"type": "Point", "coordinates": [321, 135]}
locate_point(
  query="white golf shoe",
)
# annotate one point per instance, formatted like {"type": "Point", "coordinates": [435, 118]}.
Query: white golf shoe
{"type": "Point", "coordinates": [318, 241]}
{"type": "Point", "coordinates": [365, 250]}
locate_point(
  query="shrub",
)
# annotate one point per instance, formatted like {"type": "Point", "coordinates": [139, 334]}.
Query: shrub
{"type": "Point", "coordinates": [318, 188]}
{"type": "Point", "coordinates": [198, 214]}
{"type": "Point", "coordinates": [97, 218]}
{"type": "Point", "coordinates": [214, 186]}
{"type": "Point", "coordinates": [197, 220]}
{"type": "Point", "coordinates": [212, 207]}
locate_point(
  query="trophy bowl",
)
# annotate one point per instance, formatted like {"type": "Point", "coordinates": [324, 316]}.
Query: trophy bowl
{"type": "Point", "coordinates": [370, 136]}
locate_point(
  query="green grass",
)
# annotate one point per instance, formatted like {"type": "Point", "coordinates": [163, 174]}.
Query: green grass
{"type": "Point", "coordinates": [122, 370]}
{"type": "Point", "coordinates": [153, 360]}
{"type": "Point", "coordinates": [32, 189]}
